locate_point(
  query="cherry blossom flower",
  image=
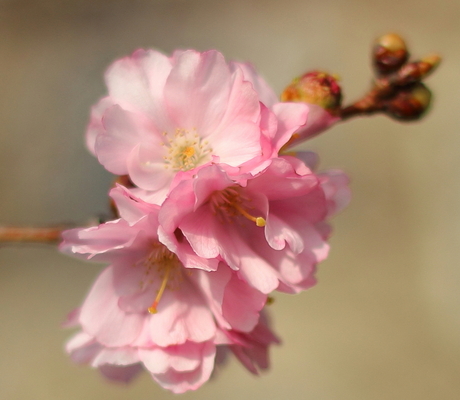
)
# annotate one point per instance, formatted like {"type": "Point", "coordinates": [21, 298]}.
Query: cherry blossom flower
{"type": "Point", "coordinates": [147, 308]}
{"type": "Point", "coordinates": [167, 116]}
{"type": "Point", "coordinates": [270, 228]}
{"type": "Point", "coordinates": [215, 221]}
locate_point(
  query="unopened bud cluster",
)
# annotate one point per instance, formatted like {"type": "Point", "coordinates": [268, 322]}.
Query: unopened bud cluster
{"type": "Point", "coordinates": [400, 92]}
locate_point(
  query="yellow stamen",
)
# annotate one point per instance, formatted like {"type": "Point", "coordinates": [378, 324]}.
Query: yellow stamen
{"type": "Point", "coordinates": [153, 308]}
{"type": "Point", "coordinates": [258, 220]}
{"type": "Point", "coordinates": [189, 151]}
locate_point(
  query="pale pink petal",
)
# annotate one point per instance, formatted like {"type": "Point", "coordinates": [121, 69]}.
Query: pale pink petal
{"type": "Point", "coordinates": [182, 315]}
{"type": "Point", "coordinates": [137, 83]}
{"type": "Point", "coordinates": [251, 349]}
{"type": "Point", "coordinates": [146, 167]}
{"type": "Point", "coordinates": [95, 125]}
{"type": "Point", "coordinates": [318, 121]}
{"type": "Point", "coordinates": [237, 143]}
{"type": "Point", "coordinates": [101, 317]}
{"type": "Point", "coordinates": [281, 181]}
{"type": "Point", "coordinates": [122, 374]}
{"type": "Point", "coordinates": [242, 304]}
{"type": "Point", "coordinates": [130, 207]}
{"type": "Point", "coordinates": [213, 286]}
{"type": "Point", "coordinates": [208, 180]}
{"type": "Point", "coordinates": [179, 202]}
{"type": "Point", "coordinates": [82, 348]}
{"type": "Point", "coordinates": [197, 90]}
{"type": "Point", "coordinates": [259, 274]}
{"type": "Point", "coordinates": [121, 136]}
{"type": "Point", "coordinates": [180, 368]}
{"type": "Point", "coordinates": [335, 184]}
{"type": "Point", "coordinates": [266, 94]}
{"type": "Point", "coordinates": [116, 356]}
{"type": "Point", "coordinates": [291, 117]}
{"type": "Point", "coordinates": [97, 240]}
{"type": "Point", "coordinates": [243, 103]}
{"type": "Point", "coordinates": [278, 233]}
{"type": "Point", "coordinates": [199, 228]}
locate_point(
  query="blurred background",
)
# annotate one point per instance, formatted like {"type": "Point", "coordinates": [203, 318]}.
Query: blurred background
{"type": "Point", "coordinates": [383, 322]}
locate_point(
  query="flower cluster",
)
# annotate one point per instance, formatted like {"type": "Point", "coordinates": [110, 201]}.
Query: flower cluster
{"type": "Point", "coordinates": [215, 218]}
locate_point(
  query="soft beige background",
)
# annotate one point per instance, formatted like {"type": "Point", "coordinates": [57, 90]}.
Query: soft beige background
{"type": "Point", "coordinates": [384, 321]}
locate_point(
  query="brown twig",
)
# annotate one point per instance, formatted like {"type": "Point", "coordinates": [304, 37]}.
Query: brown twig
{"type": "Point", "coordinates": [400, 94]}
{"type": "Point", "coordinates": [15, 234]}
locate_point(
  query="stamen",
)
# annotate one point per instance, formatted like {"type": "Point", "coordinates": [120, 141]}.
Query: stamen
{"type": "Point", "coordinates": [189, 151]}
{"type": "Point", "coordinates": [185, 150]}
{"type": "Point", "coordinates": [258, 220]}
{"type": "Point", "coordinates": [153, 308]}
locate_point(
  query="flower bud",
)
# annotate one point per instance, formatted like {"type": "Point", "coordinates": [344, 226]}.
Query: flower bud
{"type": "Point", "coordinates": [389, 53]}
{"type": "Point", "coordinates": [416, 71]}
{"type": "Point", "coordinates": [315, 87]}
{"type": "Point", "coordinates": [409, 104]}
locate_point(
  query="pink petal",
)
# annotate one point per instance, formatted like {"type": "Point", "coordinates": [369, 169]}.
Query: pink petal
{"type": "Point", "coordinates": [137, 83]}
{"type": "Point", "coordinates": [123, 132]}
{"type": "Point", "coordinates": [95, 125]}
{"type": "Point", "coordinates": [123, 374]}
{"type": "Point", "coordinates": [291, 117]}
{"type": "Point", "coordinates": [266, 94]}
{"type": "Point", "coordinates": [197, 90]}
{"type": "Point", "coordinates": [242, 304]}
{"type": "Point", "coordinates": [191, 375]}
{"type": "Point", "coordinates": [182, 315]}
{"type": "Point", "coordinates": [147, 169]}
{"type": "Point", "coordinates": [130, 207]}
{"type": "Point", "coordinates": [318, 121]}
{"type": "Point", "coordinates": [116, 356]}
{"type": "Point", "coordinates": [82, 348]}
{"type": "Point", "coordinates": [101, 317]}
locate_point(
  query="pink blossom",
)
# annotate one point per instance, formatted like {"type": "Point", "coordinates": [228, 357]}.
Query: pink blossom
{"type": "Point", "coordinates": [166, 116]}
{"type": "Point", "coordinates": [270, 228]}
{"type": "Point", "coordinates": [148, 308]}
{"type": "Point", "coordinates": [216, 221]}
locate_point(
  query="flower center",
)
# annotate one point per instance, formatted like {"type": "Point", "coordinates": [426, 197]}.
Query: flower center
{"type": "Point", "coordinates": [186, 150]}
{"type": "Point", "coordinates": [164, 265]}
{"type": "Point", "coordinates": [230, 203]}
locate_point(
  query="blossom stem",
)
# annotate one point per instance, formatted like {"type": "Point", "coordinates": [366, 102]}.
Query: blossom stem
{"type": "Point", "coordinates": [12, 234]}
{"type": "Point", "coordinates": [388, 87]}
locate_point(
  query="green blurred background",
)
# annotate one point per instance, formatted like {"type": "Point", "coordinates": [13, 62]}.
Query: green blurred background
{"type": "Point", "coordinates": [383, 322]}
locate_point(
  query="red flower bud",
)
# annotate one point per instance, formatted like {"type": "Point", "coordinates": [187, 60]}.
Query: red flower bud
{"type": "Point", "coordinates": [315, 87]}
{"type": "Point", "coordinates": [389, 53]}
{"type": "Point", "coordinates": [409, 104]}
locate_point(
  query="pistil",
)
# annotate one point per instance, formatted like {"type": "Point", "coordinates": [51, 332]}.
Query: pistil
{"type": "Point", "coordinates": [153, 308]}
{"type": "Point", "coordinates": [161, 264]}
